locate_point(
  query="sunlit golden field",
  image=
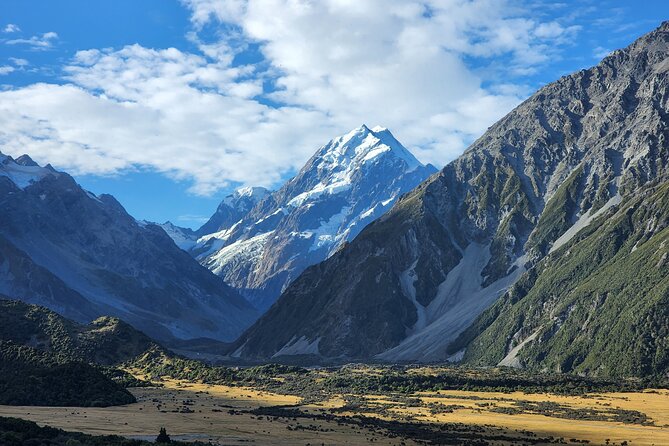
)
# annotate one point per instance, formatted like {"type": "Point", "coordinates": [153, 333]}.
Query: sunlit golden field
{"type": "Point", "coordinates": [195, 411]}
{"type": "Point", "coordinates": [654, 404]}
{"type": "Point", "coordinates": [209, 421]}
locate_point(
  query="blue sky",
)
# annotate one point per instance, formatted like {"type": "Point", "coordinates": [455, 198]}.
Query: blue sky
{"type": "Point", "coordinates": [170, 105]}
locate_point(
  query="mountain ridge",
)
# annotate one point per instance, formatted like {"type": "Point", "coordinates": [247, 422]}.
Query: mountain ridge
{"type": "Point", "coordinates": [84, 256]}
{"type": "Point", "coordinates": [346, 184]}
{"type": "Point", "coordinates": [581, 145]}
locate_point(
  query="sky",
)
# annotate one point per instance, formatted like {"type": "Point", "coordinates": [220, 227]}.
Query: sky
{"type": "Point", "coordinates": [170, 105]}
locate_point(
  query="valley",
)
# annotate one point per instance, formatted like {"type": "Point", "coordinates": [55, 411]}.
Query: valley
{"type": "Point", "coordinates": [345, 290]}
{"type": "Point", "coordinates": [279, 404]}
{"type": "Point", "coordinates": [240, 414]}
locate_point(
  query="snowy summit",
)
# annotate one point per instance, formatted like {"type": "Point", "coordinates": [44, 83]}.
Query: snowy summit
{"type": "Point", "coordinates": [349, 182]}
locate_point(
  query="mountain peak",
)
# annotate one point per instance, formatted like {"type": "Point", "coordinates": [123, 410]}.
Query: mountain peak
{"type": "Point", "coordinates": [25, 160]}
{"type": "Point", "coordinates": [335, 166]}
{"type": "Point", "coordinates": [365, 129]}
{"type": "Point", "coordinates": [251, 191]}
{"type": "Point", "coordinates": [356, 134]}
{"type": "Point", "coordinates": [653, 44]}
{"type": "Point", "coordinates": [232, 208]}
{"type": "Point", "coordinates": [245, 196]}
{"type": "Point", "coordinates": [362, 145]}
{"type": "Point", "coordinates": [23, 171]}
{"type": "Point", "coordinates": [348, 183]}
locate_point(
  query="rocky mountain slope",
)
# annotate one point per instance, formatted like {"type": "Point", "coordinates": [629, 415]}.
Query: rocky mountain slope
{"type": "Point", "coordinates": [233, 208]}
{"type": "Point", "coordinates": [579, 150]}
{"type": "Point", "coordinates": [597, 305]}
{"type": "Point", "coordinates": [347, 184]}
{"type": "Point", "coordinates": [84, 256]}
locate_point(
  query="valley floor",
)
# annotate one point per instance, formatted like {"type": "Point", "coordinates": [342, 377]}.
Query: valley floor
{"type": "Point", "coordinates": [199, 412]}
{"type": "Point", "coordinates": [239, 415]}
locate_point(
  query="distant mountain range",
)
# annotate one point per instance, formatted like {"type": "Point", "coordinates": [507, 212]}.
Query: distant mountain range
{"type": "Point", "coordinates": [83, 256]}
{"type": "Point", "coordinates": [544, 245]}
{"type": "Point", "coordinates": [260, 241]}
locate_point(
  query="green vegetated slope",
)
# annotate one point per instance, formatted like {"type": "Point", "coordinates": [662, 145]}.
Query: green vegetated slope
{"type": "Point", "coordinates": [29, 377]}
{"type": "Point", "coordinates": [598, 305]}
{"type": "Point", "coordinates": [48, 360]}
{"type": "Point", "coordinates": [105, 341]}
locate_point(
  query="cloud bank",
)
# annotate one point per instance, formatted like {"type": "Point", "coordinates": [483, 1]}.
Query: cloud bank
{"type": "Point", "coordinates": [429, 71]}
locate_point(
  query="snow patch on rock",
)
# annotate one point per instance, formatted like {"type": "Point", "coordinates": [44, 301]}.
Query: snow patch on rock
{"type": "Point", "coordinates": [240, 251]}
{"type": "Point", "coordinates": [329, 232]}
{"type": "Point", "coordinates": [511, 359]}
{"type": "Point", "coordinates": [22, 175]}
{"type": "Point", "coordinates": [182, 237]}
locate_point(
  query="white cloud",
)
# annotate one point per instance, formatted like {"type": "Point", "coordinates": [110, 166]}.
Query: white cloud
{"type": "Point", "coordinates": [43, 42]}
{"type": "Point", "coordinates": [553, 30]}
{"type": "Point", "coordinates": [11, 28]}
{"type": "Point", "coordinates": [19, 62]}
{"type": "Point", "coordinates": [167, 110]}
{"type": "Point", "coordinates": [335, 63]}
{"type": "Point", "coordinates": [206, 10]}
{"type": "Point", "coordinates": [6, 69]}
{"type": "Point", "coordinates": [397, 63]}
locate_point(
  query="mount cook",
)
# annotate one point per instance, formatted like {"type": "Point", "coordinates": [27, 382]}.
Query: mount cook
{"type": "Point", "coordinates": [493, 260]}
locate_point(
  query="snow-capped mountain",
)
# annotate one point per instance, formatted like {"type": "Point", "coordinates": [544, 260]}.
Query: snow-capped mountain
{"type": "Point", "coordinates": [543, 245]}
{"type": "Point", "coordinates": [347, 184]}
{"type": "Point", "coordinates": [83, 256]}
{"type": "Point", "coordinates": [23, 171]}
{"type": "Point", "coordinates": [233, 208]}
{"type": "Point", "coordinates": [184, 238]}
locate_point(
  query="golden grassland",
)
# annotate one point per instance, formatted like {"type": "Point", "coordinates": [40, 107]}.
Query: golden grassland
{"type": "Point", "coordinates": [195, 411]}
{"type": "Point", "coordinates": [476, 409]}
{"type": "Point", "coordinates": [655, 404]}
{"type": "Point", "coordinates": [208, 421]}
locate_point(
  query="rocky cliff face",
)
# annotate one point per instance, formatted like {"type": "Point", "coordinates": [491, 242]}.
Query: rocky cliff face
{"type": "Point", "coordinates": [413, 281]}
{"type": "Point", "coordinates": [84, 256]}
{"type": "Point", "coordinates": [233, 208]}
{"type": "Point", "coordinates": [597, 305]}
{"type": "Point", "coordinates": [347, 184]}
